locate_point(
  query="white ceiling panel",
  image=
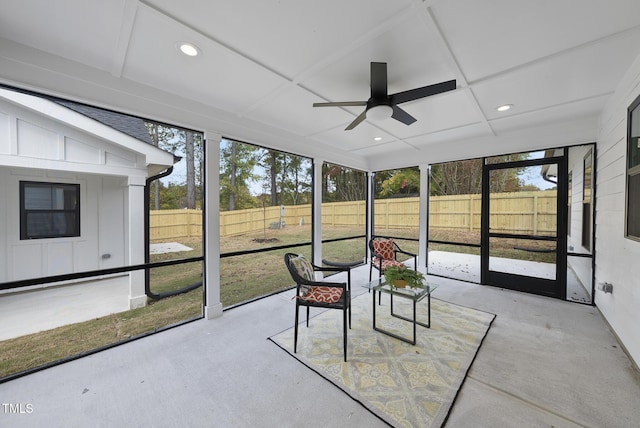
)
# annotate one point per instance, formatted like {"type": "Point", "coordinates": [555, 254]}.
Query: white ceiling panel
{"type": "Point", "coordinates": [288, 36]}
{"type": "Point", "coordinates": [460, 134]}
{"type": "Point", "coordinates": [390, 151]}
{"type": "Point", "coordinates": [80, 30]}
{"type": "Point", "coordinates": [557, 114]}
{"type": "Point", "coordinates": [589, 71]}
{"type": "Point", "coordinates": [362, 137]}
{"type": "Point", "coordinates": [417, 64]}
{"type": "Point", "coordinates": [218, 76]}
{"type": "Point", "coordinates": [436, 113]}
{"type": "Point", "coordinates": [263, 63]}
{"type": "Point", "coordinates": [292, 109]}
{"type": "Point", "coordinates": [487, 37]}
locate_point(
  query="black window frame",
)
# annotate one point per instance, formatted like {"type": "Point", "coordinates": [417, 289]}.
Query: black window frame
{"type": "Point", "coordinates": [587, 192]}
{"type": "Point", "coordinates": [632, 174]}
{"type": "Point", "coordinates": [24, 212]}
{"type": "Point", "coordinates": [569, 200]}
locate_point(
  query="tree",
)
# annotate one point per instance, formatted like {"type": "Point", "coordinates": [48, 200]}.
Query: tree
{"type": "Point", "coordinates": [160, 135]}
{"type": "Point", "coordinates": [343, 184]}
{"type": "Point", "coordinates": [398, 182]}
{"type": "Point", "coordinates": [288, 176]}
{"type": "Point", "coordinates": [465, 177]}
{"type": "Point", "coordinates": [272, 169]}
{"type": "Point", "coordinates": [237, 162]}
{"type": "Point", "coordinates": [296, 183]}
{"type": "Point", "coordinates": [172, 196]}
{"type": "Point", "coordinates": [456, 178]}
{"type": "Point", "coordinates": [187, 144]}
{"type": "Point", "coordinates": [191, 169]}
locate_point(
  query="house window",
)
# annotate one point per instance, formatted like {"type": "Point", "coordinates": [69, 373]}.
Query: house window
{"type": "Point", "coordinates": [586, 200]}
{"type": "Point", "coordinates": [633, 171]}
{"type": "Point", "coordinates": [49, 210]}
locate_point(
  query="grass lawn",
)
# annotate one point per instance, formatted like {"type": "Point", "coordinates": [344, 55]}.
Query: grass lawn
{"type": "Point", "coordinates": [242, 278]}
{"type": "Point", "coordinates": [33, 350]}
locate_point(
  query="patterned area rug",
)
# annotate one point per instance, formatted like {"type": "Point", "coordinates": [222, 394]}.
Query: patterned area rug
{"type": "Point", "coordinates": [404, 385]}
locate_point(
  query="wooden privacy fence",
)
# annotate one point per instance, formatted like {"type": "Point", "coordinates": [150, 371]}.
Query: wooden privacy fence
{"type": "Point", "coordinates": [173, 224]}
{"type": "Point", "coordinates": [517, 212]}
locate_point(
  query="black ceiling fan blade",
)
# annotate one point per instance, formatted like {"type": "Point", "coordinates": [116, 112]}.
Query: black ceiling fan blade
{"type": "Point", "coordinates": [356, 121]}
{"type": "Point", "coordinates": [425, 91]}
{"type": "Point", "coordinates": [341, 104]}
{"type": "Point", "coordinates": [402, 116]}
{"type": "Point", "coordinates": [378, 80]}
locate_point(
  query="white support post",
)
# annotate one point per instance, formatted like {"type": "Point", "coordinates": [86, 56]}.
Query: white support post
{"type": "Point", "coordinates": [212, 304]}
{"type": "Point", "coordinates": [370, 203]}
{"type": "Point", "coordinates": [136, 250]}
{"type": "Point", "coordinates": [423, 218]}
{"type": "Point", "coordinates": [317, 212]}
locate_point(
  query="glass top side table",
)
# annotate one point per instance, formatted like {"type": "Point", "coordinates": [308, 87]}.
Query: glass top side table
{"type": "Point", "coordinates": [414, 294]}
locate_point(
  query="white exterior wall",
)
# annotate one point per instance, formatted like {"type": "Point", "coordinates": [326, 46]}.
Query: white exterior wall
{"type": "Point", "coordinates": [617, 257]}
{"type": "Point", "coordinates": [34, 258]}
{"type": "Point", "coordinates": [34, 147]}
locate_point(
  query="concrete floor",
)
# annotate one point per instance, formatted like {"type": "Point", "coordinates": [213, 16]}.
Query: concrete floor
{"type": "Point", "coordinates": [41, 309]}
{"type": "Point", "coordinates": [466, 267]}
{"type": "Point", "coordinates": [544, 362]}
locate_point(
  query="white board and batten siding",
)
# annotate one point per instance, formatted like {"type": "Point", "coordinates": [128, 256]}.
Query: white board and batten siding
{"type": "Point", "coordinates": [617, 258]}
{"type": "Point", "coordinates": [40, 143]}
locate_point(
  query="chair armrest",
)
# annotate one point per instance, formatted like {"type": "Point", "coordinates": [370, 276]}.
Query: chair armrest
{"type": "Point", "coordinates": [406, 252]}
{"type": "Point", "coordinates": [330, 269]}
{"type": "Point", "coordinates": [324, 284]}
{"type": "Point", "coordinates": [335, 269]}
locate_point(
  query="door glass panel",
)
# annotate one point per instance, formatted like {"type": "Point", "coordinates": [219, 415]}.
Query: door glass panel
{"type": "Point", "coordinates": [528, 257]}
{"type": "Point", "coordinates": [515, 157]}
{"type": "Point", "coordinates": [522, 200]}
{"type": "Point", "coordinates": [523, 203]}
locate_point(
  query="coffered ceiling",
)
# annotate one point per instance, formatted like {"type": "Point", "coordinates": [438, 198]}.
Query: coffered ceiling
{"type": "Point", "coordinates": [263, 63]}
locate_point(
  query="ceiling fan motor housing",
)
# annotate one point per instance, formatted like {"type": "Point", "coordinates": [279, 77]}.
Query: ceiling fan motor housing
{"type": "Point", "coordinates": [381, 105]}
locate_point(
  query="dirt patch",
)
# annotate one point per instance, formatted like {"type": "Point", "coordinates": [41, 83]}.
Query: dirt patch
{"type": "Point", "coordinates": [265, 240]}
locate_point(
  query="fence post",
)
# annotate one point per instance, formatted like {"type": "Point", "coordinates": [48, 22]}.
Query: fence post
{"type": "Point", "coordinates": [387, 213]}
{"type": "Point", "coordinates": [535, 214]}
{"type": "Point", "coordinates": [333, 215]}
{"type": "Point", "coordinates": [470, 212]}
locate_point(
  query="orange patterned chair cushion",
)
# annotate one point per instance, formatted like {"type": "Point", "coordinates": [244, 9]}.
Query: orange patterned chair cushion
{"type": "Point", "coordinates": [322, 294]}
{"type": "Point", "coordinates": [384, 248]}
{"type": "Point", "coordinates": [387, 263]}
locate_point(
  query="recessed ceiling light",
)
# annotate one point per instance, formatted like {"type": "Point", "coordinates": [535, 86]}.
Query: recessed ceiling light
{"type": "Point", "coordinates": [188, 49]}
{"type": "Point", "coordinates": [377, 139]}
{"type": "Point", "coordinates": [504, 107]}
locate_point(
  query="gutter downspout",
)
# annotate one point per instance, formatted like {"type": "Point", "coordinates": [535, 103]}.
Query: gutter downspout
{"type": "Point", "coordinates": [147, 209]}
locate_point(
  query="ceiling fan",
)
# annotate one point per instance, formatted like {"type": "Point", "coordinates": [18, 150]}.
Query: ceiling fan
{"type": "Point", "coordinates": [381, 105]}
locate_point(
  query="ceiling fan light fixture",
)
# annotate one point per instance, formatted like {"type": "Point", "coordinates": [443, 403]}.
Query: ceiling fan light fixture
{"type": "Point", "coordinates": [188, 49]}
{"type": "Point", "coordinates": [381, 105]}
{"type": "Point", "coordinates": [379, 113]}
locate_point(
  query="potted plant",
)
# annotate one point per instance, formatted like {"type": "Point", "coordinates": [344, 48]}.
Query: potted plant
{"type": "Point", "coordinates": [401, 276]}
